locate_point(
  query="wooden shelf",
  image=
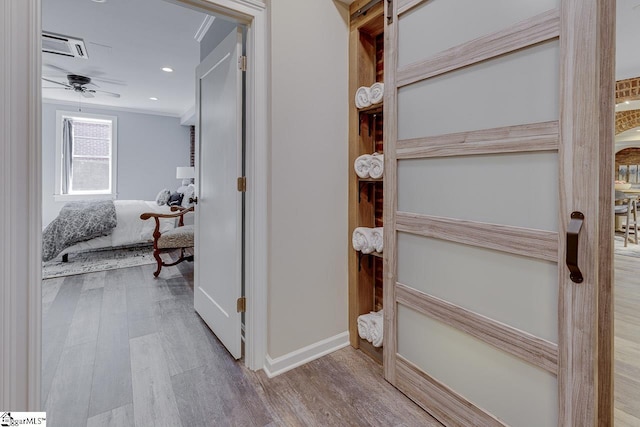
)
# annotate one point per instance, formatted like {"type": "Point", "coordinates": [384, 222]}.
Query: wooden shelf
{"type": "Point", "coordinates": [373, 352]}
{"type": "Point", "coordinates": [371, 109]}
{"type": "Point", "coordinates": [375, 254]}
{"type": "Point", "coordinates": [366, 66]}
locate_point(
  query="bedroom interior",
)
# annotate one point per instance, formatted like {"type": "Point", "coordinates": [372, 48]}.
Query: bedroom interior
{"type": "Point", "coordinates": [147, 327]}
{"type": "Point", "coordinates": [125, 199]}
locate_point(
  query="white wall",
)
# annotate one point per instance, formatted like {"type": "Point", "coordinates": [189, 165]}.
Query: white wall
{"type": "Point", "coordinates": [309, 181]}
{"type": "Point", "coordinates": [149, 149]}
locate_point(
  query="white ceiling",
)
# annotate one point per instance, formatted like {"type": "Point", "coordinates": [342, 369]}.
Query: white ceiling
{"type": "Point", "coordinates": [128, 42]}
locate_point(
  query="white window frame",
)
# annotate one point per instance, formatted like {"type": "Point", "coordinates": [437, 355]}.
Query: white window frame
{"type": "Point", "coordinates": [58, 195]}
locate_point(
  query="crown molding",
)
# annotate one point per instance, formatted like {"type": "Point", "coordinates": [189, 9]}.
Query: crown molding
{"type": "Point", "coordinates": [204, 28]}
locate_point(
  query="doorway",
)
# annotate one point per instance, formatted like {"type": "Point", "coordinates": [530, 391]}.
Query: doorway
{"type": "Point", "coordinates": [23, 277]}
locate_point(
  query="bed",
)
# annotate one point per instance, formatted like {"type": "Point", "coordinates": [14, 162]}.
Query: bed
{"type": "Point", "coordinates": [103, 225]}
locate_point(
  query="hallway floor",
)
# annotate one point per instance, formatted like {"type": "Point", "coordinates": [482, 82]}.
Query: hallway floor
{"type": "Point", "coordinates": [627, 341]}
{"type": "Point", "coordinates": [121, 348]}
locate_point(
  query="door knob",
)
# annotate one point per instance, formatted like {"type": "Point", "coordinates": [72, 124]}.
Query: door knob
{"type": "Point", "coordinates": [193, 200]}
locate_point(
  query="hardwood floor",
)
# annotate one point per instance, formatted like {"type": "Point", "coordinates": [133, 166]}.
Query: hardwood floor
{"type": "Point", "coordinates": [121, 348]}
{"type": "Point", "coordinates": [627, 341]}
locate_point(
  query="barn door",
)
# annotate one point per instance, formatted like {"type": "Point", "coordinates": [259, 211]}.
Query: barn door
{"type": "Point", "coordinates": [497, 131]}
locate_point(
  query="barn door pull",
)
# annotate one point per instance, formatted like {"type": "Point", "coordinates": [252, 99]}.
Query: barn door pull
{"type": "Point", "coordinates": [573, 230]}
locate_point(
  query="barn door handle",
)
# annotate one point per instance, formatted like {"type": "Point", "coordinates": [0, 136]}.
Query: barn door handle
{"type": "Point", "coordinates": [572, 246]}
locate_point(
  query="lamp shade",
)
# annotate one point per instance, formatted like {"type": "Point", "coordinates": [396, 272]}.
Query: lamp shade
{"type": "Point", "coordinates": [185, 172]}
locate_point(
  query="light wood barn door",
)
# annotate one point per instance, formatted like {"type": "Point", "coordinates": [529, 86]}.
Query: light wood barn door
{"type": "Point", "coordinates": [498, 122]}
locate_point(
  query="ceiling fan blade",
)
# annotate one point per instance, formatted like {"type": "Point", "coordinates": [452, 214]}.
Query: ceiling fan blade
{"type": "Point", "coordinates": [88, 94]}
{"type": "Point", "coordinates": [110, 81]}
{"type": "Point", "coordinates": [104, 92]}
{"type": "Point", "coordinates": [55, 87]}
{"type": "Point", "coordinates": [53, 81]}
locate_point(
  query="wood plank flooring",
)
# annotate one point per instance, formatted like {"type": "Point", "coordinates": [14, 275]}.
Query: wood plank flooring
{"type": "Point", "coordinates": [121, 348]}
{"type": "Point", "coordinates": [627, 341]}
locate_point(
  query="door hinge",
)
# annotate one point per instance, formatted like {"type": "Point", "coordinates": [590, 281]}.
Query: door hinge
{"type": "Point", "coordinates": [241, 304]}
{"type": "Point", "coordinates": [242, 63]}
{"type": "Point", "coordinates": [242, 184]}
{"type": "Point", "coordinates": [389, 12]}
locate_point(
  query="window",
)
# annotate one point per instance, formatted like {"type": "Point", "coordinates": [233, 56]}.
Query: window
{"type": "Point", "coordinates": [86, 154]}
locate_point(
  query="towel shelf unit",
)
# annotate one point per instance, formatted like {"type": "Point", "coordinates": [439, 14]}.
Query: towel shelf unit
{"type": "Point", "coordinates": [363, 182]}
{"type": "Point", "coordinates": [372, 254]}
{"type": "Point", "coordinates": [372, 114]}
{"type": "Point", "coordinates": [366, 66]}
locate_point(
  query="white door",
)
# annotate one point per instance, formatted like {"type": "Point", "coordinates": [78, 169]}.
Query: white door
{"type": "Point", "coordinates": [218, 219]}
{"type": "Point", "coordinates": [498, 140]}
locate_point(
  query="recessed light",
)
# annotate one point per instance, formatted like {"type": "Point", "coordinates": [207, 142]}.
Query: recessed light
{"type": "Point", "coordinates": [153, 98]}
{"type": "Point", "coordinates": [99, 1]}
{"type": "Point", "coordinates": [626, 102]}
{"type": "Point", "coordinates": [167, 69]}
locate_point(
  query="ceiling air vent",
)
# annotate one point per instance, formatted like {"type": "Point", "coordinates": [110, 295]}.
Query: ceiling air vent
{"type": "Point", "coordinates": [63, 45]}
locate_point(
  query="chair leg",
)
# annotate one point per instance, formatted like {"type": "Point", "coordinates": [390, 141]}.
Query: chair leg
{"type": "Point", "coordinates": [156, 255]}
{"type": "Point", "coordinates": [626, 227]}
{"type": "Point", "coordinates": [635, 220]}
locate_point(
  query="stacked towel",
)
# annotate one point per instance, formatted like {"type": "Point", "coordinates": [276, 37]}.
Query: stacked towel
{"type": "Point", "coordinates": [377, 328]}
{"type": "Point", "coordinates": [368, 240]}
{"type": "Point", "coordinates": [362, 240]}
{"type": "Point", "coordinates": [376, 93]}
{"type": "Point", "coordinates": [363, 97]}
{"type": "Point", "coordinates": [378, 238]}
{"type": "Point", "coordinates": [377, 166]}
{"type": "Point", "coordinates": [370, 327]}
{"type": "Point", "coordinates": [362, 165]}
{"type": "Point", "coordinates": [369, 166]}
{"type": "Point", "coordinates": [366, 96]}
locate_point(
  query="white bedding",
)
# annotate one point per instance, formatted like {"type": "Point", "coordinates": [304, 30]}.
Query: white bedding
{"type": "Point", "coordinates": [131, 230]}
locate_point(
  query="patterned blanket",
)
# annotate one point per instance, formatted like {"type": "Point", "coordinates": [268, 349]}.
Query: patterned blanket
{"type": "Point", "coordinates": [78, 221]}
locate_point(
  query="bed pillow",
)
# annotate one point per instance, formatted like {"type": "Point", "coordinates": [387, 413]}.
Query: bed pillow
{"type": "Point", "coordinates": [163, 197]}
{"type": "Point", "coordinates": [189, 192]}
{"type": "Point", "coordinates": [175, 199]}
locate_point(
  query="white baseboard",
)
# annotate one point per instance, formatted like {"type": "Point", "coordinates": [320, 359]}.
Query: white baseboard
{"type": "Point", "coordinates": [279, 365]}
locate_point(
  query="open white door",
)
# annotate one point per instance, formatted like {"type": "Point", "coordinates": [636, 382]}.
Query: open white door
{"type": "Point", "coordinates": [497, 150]}
{"type": "Point", "coordinates": [218, 219]}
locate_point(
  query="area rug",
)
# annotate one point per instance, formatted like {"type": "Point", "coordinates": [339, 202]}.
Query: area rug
{"type": "Point", "coordinates": [90, 262]}
{"type": "Point", "coordinates": [632, 249]}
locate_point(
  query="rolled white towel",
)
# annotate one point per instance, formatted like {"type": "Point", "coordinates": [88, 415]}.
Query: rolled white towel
{"type": "Point", "coordinates": [378, 238]}
{"type": "Point", "coordinates": [362, 240]}
{"type": "Point", "coordinates": [362, 165]}
{"type": "Point", "coordinates": [376, 93]}
{"type": "Point", "coordinates": [362, 97]}
{"type": "Point", "coordinates": [377, 329]}
{"type": "Point", "coordinates": [376, 170]}
{"type": "Point", "coordinates": [364, 326]}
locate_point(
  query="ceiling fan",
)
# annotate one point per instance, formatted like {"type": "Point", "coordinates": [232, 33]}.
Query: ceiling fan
{"type": "Point", "coordinates": [78, 83]}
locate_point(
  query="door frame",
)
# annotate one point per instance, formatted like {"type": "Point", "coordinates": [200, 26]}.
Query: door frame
{"type": "Point", "coordinates": [21, 182]}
